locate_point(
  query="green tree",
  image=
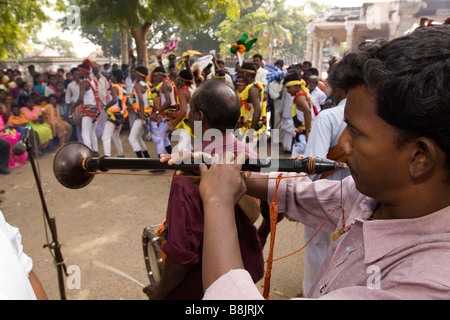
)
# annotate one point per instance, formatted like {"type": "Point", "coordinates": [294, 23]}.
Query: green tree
{"type": "Point", "coordinates": [201, 37]}
{"type": "Point", "coordinates": [281, 31]}
{"type": "Point", "coordinates": [139, 15]}
{"type": "Point", "coordinates": [268, 22]}
{"type": "Point", "coordinates": [295, 21]}
{"type": "Point", "coordinates": [19, 20]}
{"type": "Point", "coordinates": [63, 47]}
{"type": "Point", "coordinates": [272, 33]}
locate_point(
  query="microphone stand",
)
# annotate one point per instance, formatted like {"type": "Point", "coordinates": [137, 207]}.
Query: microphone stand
{"type": "Point", "coordinates": [58, 258]}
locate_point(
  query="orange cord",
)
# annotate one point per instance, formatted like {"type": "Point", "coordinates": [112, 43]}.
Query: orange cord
{"type": "Point", "coordinates": [273, 228]}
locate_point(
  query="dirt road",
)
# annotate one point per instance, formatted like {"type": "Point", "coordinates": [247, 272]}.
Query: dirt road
{"type": "Point", "coordinates": [102, 224]}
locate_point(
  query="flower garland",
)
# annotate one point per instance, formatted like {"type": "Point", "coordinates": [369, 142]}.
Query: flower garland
{"type": "Point", "coordinates": [245, 120]}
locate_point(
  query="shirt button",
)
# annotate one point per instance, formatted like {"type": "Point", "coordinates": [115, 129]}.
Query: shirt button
{"type": "Point", "coordinates": [348, 249]}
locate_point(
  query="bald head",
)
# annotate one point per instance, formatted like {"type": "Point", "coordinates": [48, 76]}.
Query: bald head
{"type": "Point", "coordinates": [218, 103]}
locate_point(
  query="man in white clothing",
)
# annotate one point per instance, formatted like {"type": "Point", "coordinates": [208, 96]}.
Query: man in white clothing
{"type": "Point", "coordinates": [89, 102]}
{"type": "Point", "coordinates": [102, 95]}
{"type": "Point", "coordinates": [17, 279]}
{"type": "Point", "coordinates": [72, 94]}
{"type": "Point", "coordinates": [317, 95]}
{"type": "Point", "coordinates": [261, 73]}
{"type": "Point", "coordinates": [276, 90]}
{"type": "Point", "coordinates": [323, 142]}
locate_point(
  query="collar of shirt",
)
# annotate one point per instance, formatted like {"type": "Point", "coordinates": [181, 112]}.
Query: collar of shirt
{"type": "Point", "coordinates": [384, 236]}
{"type": "Point", "coordinates": [227, 142]}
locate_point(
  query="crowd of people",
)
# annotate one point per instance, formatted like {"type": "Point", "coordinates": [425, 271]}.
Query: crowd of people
{"type": "Point", "coordinates": [82, 104]}
{"type": "Point", "coordinates": [383, 110]}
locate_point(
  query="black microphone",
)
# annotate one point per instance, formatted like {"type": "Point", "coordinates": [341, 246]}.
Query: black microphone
{"type": "Point", "coordinates": [20, 147]}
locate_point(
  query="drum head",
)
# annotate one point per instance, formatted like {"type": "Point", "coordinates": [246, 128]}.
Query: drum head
{"type": "Point", "coordinates": [152, 253]}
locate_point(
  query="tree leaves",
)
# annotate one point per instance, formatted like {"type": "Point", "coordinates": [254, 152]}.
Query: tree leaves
{"type": "Point", "coordinates": [18, 21]}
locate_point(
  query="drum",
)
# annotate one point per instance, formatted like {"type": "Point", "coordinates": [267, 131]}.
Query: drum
{"type": "Point", "coordinates": [151, 245]}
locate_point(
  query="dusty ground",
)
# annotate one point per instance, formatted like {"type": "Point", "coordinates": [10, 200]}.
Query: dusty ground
{"type": "Point", "coordinates": [103, 223]}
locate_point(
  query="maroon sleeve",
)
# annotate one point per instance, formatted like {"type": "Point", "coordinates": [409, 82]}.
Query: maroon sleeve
{"type": "Point", "coordinates": [184, 223]}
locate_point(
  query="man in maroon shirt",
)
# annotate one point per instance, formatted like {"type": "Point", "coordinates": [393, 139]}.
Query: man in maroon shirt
{"type": "Point", "coordinates": [216, 106]}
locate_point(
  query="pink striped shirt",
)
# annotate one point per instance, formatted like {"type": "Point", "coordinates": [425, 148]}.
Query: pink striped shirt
{"type": "Point", "coordinates": [376, 259]}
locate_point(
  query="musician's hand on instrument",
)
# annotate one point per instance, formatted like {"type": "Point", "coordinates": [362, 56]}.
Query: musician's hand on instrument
{"type": "Point", "coordinates": [224, 179]}
{"type": "Point", "coordinates": [175, 157]}
{"type": "Point", "coordinates": [183, 157]}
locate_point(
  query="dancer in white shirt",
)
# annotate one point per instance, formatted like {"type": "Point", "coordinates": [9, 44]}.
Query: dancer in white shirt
{"type": "Point", "coordinates": [142, 109]}
{"type": "Point", "coordinates": [90, 106]}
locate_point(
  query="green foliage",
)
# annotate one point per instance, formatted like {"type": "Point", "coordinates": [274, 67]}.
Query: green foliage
{"type": "Point", "coordinates": [133, 14]}
{"type": "Point", "coordinates": [139, 15]}
{"type": "Point", "coordinates": [19, 20]}
{"type": "Point", "coordinates": [63, 47]}
{"type": "Point", "coordinates": [281, 31]}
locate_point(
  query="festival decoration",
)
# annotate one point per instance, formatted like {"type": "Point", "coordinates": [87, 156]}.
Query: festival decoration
{"type": "Point", "coordinates": [242, 46]}
{"type": "Point", "coordinates": [184, 55]}
{"type": "Point", "coordinates": [172, 45]}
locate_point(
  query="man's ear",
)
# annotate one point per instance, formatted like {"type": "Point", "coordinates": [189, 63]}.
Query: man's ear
{"type": "Point", "coordinates": [423, 157]}
{"type": "Point", "coordinates": [201, 116]}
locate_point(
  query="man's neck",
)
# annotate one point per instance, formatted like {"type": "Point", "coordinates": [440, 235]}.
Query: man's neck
{"type": "Point", "coordinates": [414, 207]}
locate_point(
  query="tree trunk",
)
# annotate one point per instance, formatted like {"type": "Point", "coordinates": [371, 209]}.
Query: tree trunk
{"type": "Point", "coordinates": [271, 54]}
{"type": "Point", "coordinates": [139, 36]}
{"type": "Point", "coordinates": [124, 46]}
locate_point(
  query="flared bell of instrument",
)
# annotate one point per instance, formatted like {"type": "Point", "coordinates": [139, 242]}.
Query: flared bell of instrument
{"type": "Point", "coordinates": [68, 165]}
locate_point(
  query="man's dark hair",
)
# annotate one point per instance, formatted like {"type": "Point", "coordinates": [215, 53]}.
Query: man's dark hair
{"type": "Point", "coordinates": [258, 56]}
{"type": "Point", "coordinates": [293, 76]}
{"type": "Point", "coordinates": [307, 63]}
{"type": "Point", "coordinates": [159, 70]}
{"type": "Point", "coordinates": [313, 71]}
{"type": "Point", "coordinates": [35, 77]}
{"type": "Point", "coordinates": [220, 73]}
{"type": "Point", "coordinates": [142, 70]}
{"type": "Point", "coordinates": [186, 75]}
{"type": "Point", "coordinates": [409, 78]}
{"type": "Point", "coordinates": [118, 74]}
{"type": "Point", "coordinates": [53, 96]}
{"type": "Point", "coordinates": [84, 66]}
{"type": "Point", "coordinates": [249, 66]}
{"type": "Point", "coordinates": [279, 63]}
{"type": "Point", "coordinates": [336, 76]}
{"type": "Point", "coordinates": [219, 103]}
